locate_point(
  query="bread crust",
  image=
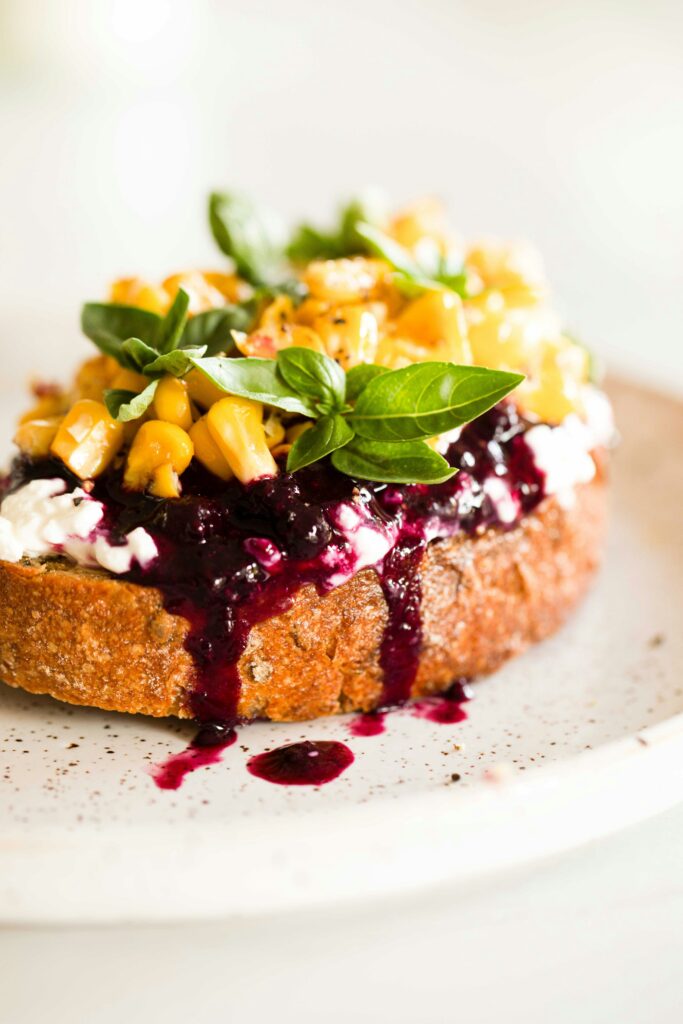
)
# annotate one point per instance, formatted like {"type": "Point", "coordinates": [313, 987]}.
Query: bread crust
{"type": "Point", "coordinates": [87, 638]}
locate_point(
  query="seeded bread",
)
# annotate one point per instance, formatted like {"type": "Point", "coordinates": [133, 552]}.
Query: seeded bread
{"type": "Point", "coordinates": [87, 638]}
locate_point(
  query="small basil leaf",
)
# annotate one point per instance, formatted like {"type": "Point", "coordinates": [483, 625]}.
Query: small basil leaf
{"type": "Point", "coordinates": [138, 353]}
{"type": "Point", "coordinates": [314, 375]}
{"type": "Point", "coordinates": [328, 435]}
{"type": "Point", "coordinates": [171, 327]}
{"type": "Point", "coordinates": [308, 243]}
{"type": "Point", "coordinates": [126, 405]}
{"type": "Point", "coordinates": [252, 238]}
{"type": "Point", "coordinates": [257, 379]}
{"type": "Point", "coordinates": [359, 376]}
{"type": "Point", "coordinates": [408, 462]}
{"type": "Point", "coordinates": [425, 399]}
{"type": "Point", "coordinates": [213, 328]}
{"type": "Point", "coordinates": [386, 248]}
{"type": "Point", "coordinates": [311, 243]}
{"type": "Point", "coordinates": [106, 323]}
{"type": "Point", "coordinates": [178, 363]}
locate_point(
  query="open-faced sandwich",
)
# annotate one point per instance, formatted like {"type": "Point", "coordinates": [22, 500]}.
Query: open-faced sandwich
{"type": "Point", "coordinates": [341, 471]}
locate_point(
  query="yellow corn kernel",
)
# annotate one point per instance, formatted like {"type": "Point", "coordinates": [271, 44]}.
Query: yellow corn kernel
{"type": "Point", "coordinates": [425, 218]}
{"type": "Point", "coordinates": [159, 454]}
{"type": "Point", "coordinates": [201, 293]}
{"type": "Point", "coordinates": [34, 437]}
{"type": "Point", "coordinates": [395, 353]}
{"type": "Point", "coordinates": [345, 280]}
{"type": "Point", "coordinates": [133, 291]}
{"type": "Point", "coordinates": [514, 268]}
{"type": "Point", "coordinates": [128, 380]}
{"type": "Point", "coordinates": [554, 389]}
{"type": "Point", "coordinates": [201, 390]}
{"type": "Point", "coordinates": [266, 342]}
{"type": "Point", "coordinates": [437, 321]}
{"type": "Point", "coordinates": [310, 310]}
{"type": "Point", "coordinates": [172, 402]}
{"type": "Point", "coordinates": [94, 375]}
{"type": "Point", "coordinates": [274, 429]}
{"type": "Point", "coordinates": [87, 439]}
{"type": "Point", "coordinates": [207, 451]}
{"type": "Point", "coordinates": [278, 312]}
{"type": "Point", "coordinates": [350, 335]}
{"type": "Point", "coordinates": [231, 287]}
{"type": "Point", "coordinates": [236, 425]}
{"type": "Point", "coordinates": [46, 407]}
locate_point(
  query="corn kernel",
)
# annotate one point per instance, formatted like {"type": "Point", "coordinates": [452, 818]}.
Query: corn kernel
{"type": "Point", "coordinates": [345, 280]}
{"type": "Point", "coordinates": [87, 439]}
{"type": "Point", "coordinates": [94, 375]}
{"type": "Point", "coordinates": [207, 451]}
{"type": "Point", "coordinates": [201, 293]}
{"type": "Point", "coordinates": [34, 437]}
{"type": "Point", "coordinates": [266, 342]}
{"type": "Point", "coordinates": [45, 408]}
{"type": "Point", "coordinates": [436, 320]}
{"type": "Point", "coordinates": [159, 454]}
{"type": "Point", "coordinates": [350, 334]}
{"type": "Point", "coordinates": [237, 428]}
{"type": "Point", "coordinates": [128, 380]}
{"type": "Point", "coordinates": [425, 218]}
{"type": "Point", "coordinates": [274, 429]}
{"type": "Point", "coordinates": [172, 402]}
{"type": "Point", "coordinates": [515, 268]}
{"type": "Point", "coordinates": [133, 291]}
{"type": "Point", "coordinates": [278, 312]}
{"type": "Point", "coordinates": [296, 430]}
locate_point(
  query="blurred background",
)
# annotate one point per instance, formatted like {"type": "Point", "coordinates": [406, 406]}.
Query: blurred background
{"type": "Point", "coordinates": [559, 122]}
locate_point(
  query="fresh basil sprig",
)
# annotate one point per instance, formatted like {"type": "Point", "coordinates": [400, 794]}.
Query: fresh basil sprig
{"type": "Point", "coordinates": [413, 277]}
{"type": "Point", "coordinates": [373, 421]}
{"type": "Point", "coordinates": [251, 237]}
{"type": "Point", "coordinates": [310, 243]}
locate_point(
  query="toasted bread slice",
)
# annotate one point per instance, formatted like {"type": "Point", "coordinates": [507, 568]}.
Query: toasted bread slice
{"type": "Point", "coordinates": [88, 638]}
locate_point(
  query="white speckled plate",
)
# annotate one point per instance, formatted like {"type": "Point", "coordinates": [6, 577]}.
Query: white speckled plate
{"type": "Point", "coordinates": [580, 736]}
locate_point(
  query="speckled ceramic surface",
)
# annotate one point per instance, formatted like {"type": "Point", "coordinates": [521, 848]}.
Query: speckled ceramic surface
{"type": "Point", "coordinates": [580, 736]}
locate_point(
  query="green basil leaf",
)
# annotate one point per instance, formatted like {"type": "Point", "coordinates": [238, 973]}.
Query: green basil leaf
{"type": "Point", "coordinates": [213, 329]}
{"type": "Point", "coordinates": [178, 363]}
{"type": "Point", "coordinates": [328, 435]}
{"type": "Point", "coordinates": [257, 379]}
{"type": "Point", "coordinates": [408, 462]}
{"type": "Point", "coordinates": [311, 243]}
{"type": "Point", "coordinates": [308, 243]}
{"type": "Point", "coordinates": [314, 375]}
{"type": "Point", "coordinates": [109, 324]}
{"type": "Point", "coordinates": [426, 399]}
{"type": "Point", "coordinates": [171, 327]}
{"type": "Point", "coordinates": [126, 405]}
{"type": "Point", "coordinates": [359, 376]}
{"type": "Point", "coordinates": [138, 353]}
{"type": "Point", "coordinates": [389, 250]}
{"type": "Point", "coordinates": [252, 238]}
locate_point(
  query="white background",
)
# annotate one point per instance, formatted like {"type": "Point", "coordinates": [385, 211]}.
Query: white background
{"type": "Point", "coordinates": [558, 121]}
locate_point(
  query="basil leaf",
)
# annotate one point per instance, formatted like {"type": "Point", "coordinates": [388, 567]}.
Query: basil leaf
{"type": "Point", "coordinates": [328, 435]}
{"type": "Point", "coordinates": [171, 327]}
{"type": "Point", "coordinates": [109, 324]}
{"type": "Point", "coordinates": [426, 399]}
{"type": "Point", "coordinates": [138, 353]}
{"type": "Point", "coordinates": [311, 243]}
{"type": "Point", "coordinates": [257, 379]}
{"type": "Point", "coordinates": [314, 375]}
{"type": "Point", "coordinates": [212, 329]}
{"type": "Point", "coordinates": [252, 238]}
{"type": "Point", "coordinates": [359, 376]}
{"type": "Point", "coordinates": [386, 248]}
{"type": "Point", "coordinates": [408, 462]}
{"type": "Point", "coordinates": [126, 405]}
{"type": "Point", "coordinates": [178, 363]}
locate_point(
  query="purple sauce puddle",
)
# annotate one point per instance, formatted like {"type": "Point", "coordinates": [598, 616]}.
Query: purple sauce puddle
{"type": "Point", "coordinates": [205, 749]}
{"type": "Point", "coordinates": [308, 763]}
{"type": "Point", "coordinates": [232, 556]}
{"type": "Point", "coordinates": [371, 724]}
{"type": "Point", "coordinates": [445, 708]}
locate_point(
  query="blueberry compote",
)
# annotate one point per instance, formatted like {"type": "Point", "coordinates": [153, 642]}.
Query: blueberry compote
{"type": "Point", "coordinates": [233, 555]}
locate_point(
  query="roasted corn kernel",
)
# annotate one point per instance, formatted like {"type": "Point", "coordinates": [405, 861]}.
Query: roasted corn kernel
{"type": "Point", "coordinates": [207, 451]}
{"type": "Point", "coordinates": [172, 402]}
{"type": "Point", "coordinates": [350, 335]}
{"type": "Point", "coordinates": [34, 437]}
{"type": "Point", "coordinates": [133, 291]}
{"type": "Point", "coordinates": [87, 438]}
{"type": "Point", "coordinates": [128, 380]}
{"type": "Point", "coordinates": [94, 376]}
{"type": "Point", "coordinates": [436, 320]}
{"type": "Point", "coordinates": [236, 425]}
{"type": "Point", "coordinates": [345, 280]}
{"type": "Point", "coordinates": [202, 390]}
{"type": "Point", "coordinates": [159, 454]}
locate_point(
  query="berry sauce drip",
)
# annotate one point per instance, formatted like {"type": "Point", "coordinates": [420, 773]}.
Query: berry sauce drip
{"type": "Point", "coordinates": [371, 724]}
{"type": "Point", "coordinates": [232, 556]}
{"type": "Point", "coordinates": [446, 708]}
{"type": "Point", "coordinates": [308, 763]}
{"type": "Point", "coordinates": [205, 749]}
